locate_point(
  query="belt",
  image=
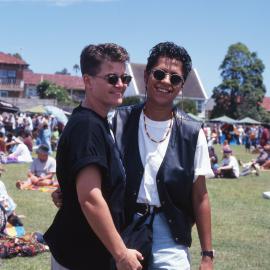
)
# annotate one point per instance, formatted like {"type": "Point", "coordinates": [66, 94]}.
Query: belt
{"type": "Point", "coordinates": [144, 208]}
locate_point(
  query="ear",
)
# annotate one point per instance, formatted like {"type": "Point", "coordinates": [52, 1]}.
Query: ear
{"type": "Point", "coordinates": [87, 81]}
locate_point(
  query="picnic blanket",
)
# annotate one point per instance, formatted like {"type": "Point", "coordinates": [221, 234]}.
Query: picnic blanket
{"type": "Point", "coordinates": [14, 231]}
{"type": "Point", "coordinates": [50, 188]}
{"type": "Point", "coordinates": [29, 245]}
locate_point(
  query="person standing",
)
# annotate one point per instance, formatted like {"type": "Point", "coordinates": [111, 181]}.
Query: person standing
{"type": "Point", "coordinates": [84, 234]}
{"type": "Point", "coordinates": [166, 159]}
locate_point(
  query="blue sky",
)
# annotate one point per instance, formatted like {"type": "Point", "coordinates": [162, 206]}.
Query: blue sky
{"type": "Point", "coordinates": [50, 34]}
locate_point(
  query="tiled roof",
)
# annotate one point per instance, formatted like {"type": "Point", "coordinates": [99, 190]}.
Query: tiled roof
{"type": "Point", "coordinates": [266, 103]}
{"type": "Point", "coordinates": [9, 59]}
{"type": "Point", "coordinates": [66, 81]}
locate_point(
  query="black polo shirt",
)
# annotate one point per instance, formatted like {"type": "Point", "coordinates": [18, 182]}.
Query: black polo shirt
{"type": "Point", "coordinates": [85, 140]}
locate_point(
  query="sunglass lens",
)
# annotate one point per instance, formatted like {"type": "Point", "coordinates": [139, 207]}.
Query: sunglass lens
{"type": "Point", "coordinates": [113, 79]}
{"type": "Point", "coordinates": [176, 79]}
{"type": "Point", "coordinates": [126, 79]}
{"type": "Point", "coordinates": [159, 74]}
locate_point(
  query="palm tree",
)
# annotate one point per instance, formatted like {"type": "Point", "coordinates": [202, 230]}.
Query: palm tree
{"type": "Point", "coordinates": [76, 67]}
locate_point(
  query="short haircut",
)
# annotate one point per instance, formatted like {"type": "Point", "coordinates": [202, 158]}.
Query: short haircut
{"type": "Point", "coordinates": [93, 56]}
{"type": "Point", "coordinates": [43, 149]}
{"type": "Point", "coordinates": [172, 51]}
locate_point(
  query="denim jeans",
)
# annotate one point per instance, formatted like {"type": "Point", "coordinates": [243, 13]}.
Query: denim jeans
{"type": "Point", "coordinates": [166, 254]}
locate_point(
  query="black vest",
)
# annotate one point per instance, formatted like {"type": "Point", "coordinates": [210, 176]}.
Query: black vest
{"type": "Point", "coordinates": [175, 175]}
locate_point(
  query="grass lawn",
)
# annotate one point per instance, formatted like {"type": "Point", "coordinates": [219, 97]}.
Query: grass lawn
{"type": "Point", "coordinates": [240, 220]}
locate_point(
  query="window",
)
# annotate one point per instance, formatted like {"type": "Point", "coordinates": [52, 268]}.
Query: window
{"type": "Point", "coordinates": [31, 92]}
{"type": "Point", "coordinates": [3, 93]}
{"type": "Point", "coordinates": [7, 74]}
{"type": "Point", "coordinates": [199, 106]}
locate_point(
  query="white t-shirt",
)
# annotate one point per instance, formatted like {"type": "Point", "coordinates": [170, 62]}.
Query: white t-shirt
{"type": "Point", "coordinates": [231, 161]}
{"type": "Point", "coordinates": [39, 168]}
{"type": "Point", "coordinates": [22, 153]}
{"type": "Point", "coordinates": [152, 155]}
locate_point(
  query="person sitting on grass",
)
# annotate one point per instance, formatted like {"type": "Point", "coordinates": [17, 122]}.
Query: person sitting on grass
{"type": "Point", "coordinates": [229, 166]}
{"type": "Point", "coordinates": [266, 164]}
{"type": "Point", "coordinates": [255, 164]}
{"type": "Point", "coordinates": [42, 170]}
{"type": "Point", "coordinates": [9, 206]}
{"type": "Point", "coordinates": [213, 159]}
{"type": "Point", "coordinates": [20, 153]}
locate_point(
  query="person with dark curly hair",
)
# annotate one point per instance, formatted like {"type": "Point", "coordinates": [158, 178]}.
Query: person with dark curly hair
{"type": "Point", "coordinates": [166, 159]}
{"type": "Point", "coordinates": [84, 234]}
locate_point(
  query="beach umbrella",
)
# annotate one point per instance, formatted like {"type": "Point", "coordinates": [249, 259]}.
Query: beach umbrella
{"type": "Point", "coordinates": [36, 109]}
{"type": "Point", "coordinates": [58, 113]}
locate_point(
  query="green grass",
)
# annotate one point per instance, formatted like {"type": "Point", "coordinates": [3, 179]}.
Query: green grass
{"type": "Point", "coordinates": [240, 220]}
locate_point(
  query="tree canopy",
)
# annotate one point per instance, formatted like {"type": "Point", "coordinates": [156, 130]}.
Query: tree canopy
{"type": "Point", "coordinates": [64, 71]}
{"type": "Point", "coordinates": [188, 106]}
{"type": "Point", "coordinates": [76, 68]}
{"type": "Point", "coordinates": [242, 90]}
{"type": "Point", "coordinates": [49, 90]}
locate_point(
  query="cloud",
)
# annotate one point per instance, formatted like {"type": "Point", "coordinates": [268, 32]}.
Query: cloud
{"type": "Point", "coordinates": [56, 2]}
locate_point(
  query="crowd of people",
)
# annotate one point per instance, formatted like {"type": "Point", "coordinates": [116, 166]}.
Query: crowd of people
{"type": "Point", "coordinates": [20, 136]}
{"type": "Point", "coordinates": [248, 135]}
{"type": "Point", "coordinates": [256, 139]}
{"type": "Point", "coordinates": [22, 133]}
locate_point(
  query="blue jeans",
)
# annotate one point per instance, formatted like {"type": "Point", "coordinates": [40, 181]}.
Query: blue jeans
{"type": "Point", "coordinates": [166, 254]}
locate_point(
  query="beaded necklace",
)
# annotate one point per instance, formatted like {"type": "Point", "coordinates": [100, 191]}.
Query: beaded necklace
{"type": "Point", "coordinates": [149, 136]}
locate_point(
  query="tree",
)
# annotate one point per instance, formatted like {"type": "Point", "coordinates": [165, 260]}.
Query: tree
{"type": "Point", "coordinates": [64, 71]}
{"type": "Point", "coordinates": [17, 55]}
{"type": "Point", "coordinates": [242, 90]}
{"type": "Point", "coordinates": [188, 106]}
{"type": "Point", "coordinates": [41, 89]}
{"type": "Point", "coordinates": [50, 90]}
{"type": "Point", "coordinates": [76, 68]}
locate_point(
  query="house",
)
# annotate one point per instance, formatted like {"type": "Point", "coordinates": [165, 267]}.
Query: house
{"type": "Point", "coordinates": [11, 75]}
{"type": "Point", "coordinates": [266, 104]}
{"type": "Point", "coordinates": [193, 87]}
{"type": "Point", "coordinates": [73, 84]}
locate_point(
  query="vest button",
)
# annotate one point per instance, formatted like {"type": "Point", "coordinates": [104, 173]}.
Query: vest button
{"type": "Point", "coordinates": [176, 238]}
{"type": "Point", "coordinates": [158, 180]}
{"type": "Point", "coordinates": [134, 193]}
{"type": "Point", "coordinates": [170, 221]}
{"type": "Point", "coordinates": [163, 202]}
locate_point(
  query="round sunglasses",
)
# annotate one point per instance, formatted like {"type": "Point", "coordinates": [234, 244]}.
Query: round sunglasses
{"type": "Point", "coordinates": [160, 74]}
{"type": "Point", "coordinates": [114, 78]}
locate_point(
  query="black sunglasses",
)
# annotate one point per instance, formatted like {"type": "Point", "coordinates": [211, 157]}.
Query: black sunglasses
{"type": "Point", "coordinates": [114, 78]}
{"type": "Point", "coordinates": [160, 74]}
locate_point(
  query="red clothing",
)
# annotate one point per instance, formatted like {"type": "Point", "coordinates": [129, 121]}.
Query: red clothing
{"type": "Point", "coordinates": [265, 137]}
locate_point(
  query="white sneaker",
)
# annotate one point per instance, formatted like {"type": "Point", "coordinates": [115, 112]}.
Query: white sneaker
{"type": "Point", "coordinates": [266, 194]}
{"type": "Point", "coordinates": [257, 168]}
